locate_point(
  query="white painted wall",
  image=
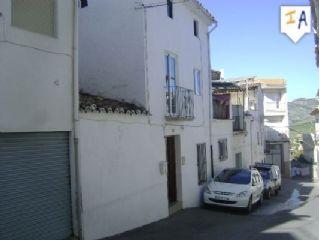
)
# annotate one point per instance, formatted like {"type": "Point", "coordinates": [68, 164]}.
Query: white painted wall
{"type": "Point", "coordinates": [277, 123]}
{"type": "Point", "coordinates": [122, 187]}
{"type": "Point", "coordinates": [130, 65]}
{"type": "Point", "coordinates": [255, 125]}
{"type": "Point", "coordinates": [275, 119]}
{"type": "Point", "coordinates": [36, 74]}
{"type": "Point", "coordinates": [222, 129]}
{"type": "Point", "coordinates": [175, 36]}
{"type": "Point", "coordinates": [112, 50]}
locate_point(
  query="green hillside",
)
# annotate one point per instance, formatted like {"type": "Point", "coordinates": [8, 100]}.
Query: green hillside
{"type": "Point", "coordinates": [300, 120]}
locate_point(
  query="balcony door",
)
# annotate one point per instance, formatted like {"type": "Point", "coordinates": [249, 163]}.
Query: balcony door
{"type": "Point", "coordinates": [171, 84]}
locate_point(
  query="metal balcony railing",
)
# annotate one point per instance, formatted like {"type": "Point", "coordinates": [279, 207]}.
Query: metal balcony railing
{"type": "Point", "coordinates": [180, 103]}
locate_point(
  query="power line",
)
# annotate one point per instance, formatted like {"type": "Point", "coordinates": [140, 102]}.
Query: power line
{"type": "Point", "coordinates": [159, 4]}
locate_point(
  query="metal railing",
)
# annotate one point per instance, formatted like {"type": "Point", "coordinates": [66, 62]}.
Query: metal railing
{"type": "Point", "coordinates": [179, 102]}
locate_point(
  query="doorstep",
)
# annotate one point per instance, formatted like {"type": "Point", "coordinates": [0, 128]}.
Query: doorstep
{"type": "Point", "coordinates": [175, 207]}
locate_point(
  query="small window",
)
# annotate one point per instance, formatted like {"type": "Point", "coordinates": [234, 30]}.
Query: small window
{"type": "Point", "coordinates": [197, 82]}
{"type": "Point", "coordinates": [34, 15]}
{"type": "Point", "coordinates": [195, 28]}
{"type": "Point", "coordinates": [170, 8]}
{"type": "Point", "coordinates": [223, 149]}
{"type": "Point", "coordinates": [202, 163]}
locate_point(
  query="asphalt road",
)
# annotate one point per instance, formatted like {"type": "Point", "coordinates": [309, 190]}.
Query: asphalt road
{"type": "Point", "coordinates": [291, 215]}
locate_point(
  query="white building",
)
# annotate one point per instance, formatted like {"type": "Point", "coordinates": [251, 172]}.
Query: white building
{"type": "Point", "coordinates": [276, 123]}
{"type": "Point", "coordinates": [38, 75]}
{"type": "Point", "coordinates": [237, 124]}
{"type": "Point", "coordinates": [138, 168]}
{"type": "Point", "coordinates": [311, 146]}
{"type": "Point", "coordinates": [254, 109]}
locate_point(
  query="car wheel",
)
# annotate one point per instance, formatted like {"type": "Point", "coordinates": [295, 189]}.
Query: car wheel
{"type": "Point", "coordinates": [249, 207]}
{"type": "Point", "coordinates": [261, 199]}
{"type": "Point", "coordinates": [268, 194]}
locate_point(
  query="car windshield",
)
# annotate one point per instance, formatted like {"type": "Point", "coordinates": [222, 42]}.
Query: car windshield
{"type": "Point", "coordinates": [265, 174]}
{"type": "Point", "coordinates": [236, 176]}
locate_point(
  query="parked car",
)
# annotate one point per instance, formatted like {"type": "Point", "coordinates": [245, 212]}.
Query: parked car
{"type": "Point", "coordinates": [238, 188]}
{"type": "Point", "coordinates": [271, 177]}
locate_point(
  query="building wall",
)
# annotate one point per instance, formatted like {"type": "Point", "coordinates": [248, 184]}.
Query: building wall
{"type": "Point", "coordinates": [108, 68]}
{"type": "Point", "coordinates": [187, 163]}
{"type": "Point", "coordinates": [241, 144]}
{"type": "Point", "coordinates": [122, 187]}
{"type": "Point", "coordinates": [276, 120]}
{"type": "Point", "coordinates": [36, 74]}
{"type": "Point", "coordinates": [191, 53]}
{"type": "Point", "coordinates": [112, 50]}
{"type": "Point", "coordinates": [308, 146]}
{"type": "Point", "coordinates": [222, 129]}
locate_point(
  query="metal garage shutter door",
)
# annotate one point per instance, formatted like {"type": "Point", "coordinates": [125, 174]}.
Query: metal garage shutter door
{"type": "Point", "coordinates": [34, 186]}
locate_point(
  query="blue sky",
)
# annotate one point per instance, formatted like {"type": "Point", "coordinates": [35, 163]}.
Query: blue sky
{"type": "Point", "coordinates": [248, 42]}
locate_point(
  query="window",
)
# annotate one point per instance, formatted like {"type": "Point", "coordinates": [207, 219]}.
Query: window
{"type": "Point", "coordinates": [34, 15]}
{"type": "Point", "coordinates": [170, 70]}
{"type": "Point", "coordinates": [223, 149]}
{"type": "Point", "coordinates": [197, 82]}
{"type": "Point", "coordinates": [221, 105]}
{"type": "Point", "coordinates": [195, 28]}
{"type": "Point", "coordinates": [171, 87]}
{"type": "Point", "coordinates": [202, 163]}
{"type": "Point", "coordinates": [170, 8]}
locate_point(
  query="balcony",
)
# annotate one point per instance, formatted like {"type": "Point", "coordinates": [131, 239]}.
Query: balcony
{"type": "Point", "coordinates": [274, 109]}
{"type": "Point", "coordinates": [180, 103]}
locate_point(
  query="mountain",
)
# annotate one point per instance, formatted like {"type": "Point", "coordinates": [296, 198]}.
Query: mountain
{"type": "Point", "coordinates": [300, 120]}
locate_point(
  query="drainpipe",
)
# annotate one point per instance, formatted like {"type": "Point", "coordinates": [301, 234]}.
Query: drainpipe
{"type": "Point", "coordinates": [210, 95]}
{"type": "Point", "coordinates": [75, 82]}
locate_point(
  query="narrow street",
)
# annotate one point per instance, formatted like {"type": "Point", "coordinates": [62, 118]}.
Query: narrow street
{"type": "Point", "coordinates": [291, 215]}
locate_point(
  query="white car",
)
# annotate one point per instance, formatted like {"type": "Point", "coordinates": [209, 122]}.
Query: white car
{"type": "Point", "coordinates": [239, 188]}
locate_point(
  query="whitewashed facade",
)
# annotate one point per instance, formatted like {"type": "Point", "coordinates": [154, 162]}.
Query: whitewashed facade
{"type": "Point", "coordinates": [38, 98]}
{"type": "Point", "coordinates": [138, 169]}
{"type": "Point", "coordinates": [228, 127]}
{"type": "Point", "coordinates": [276, 123]}
{"type": "Point", "coordinates": [254, 109]}
{"type": "Point", "coordinates": [245, 140]}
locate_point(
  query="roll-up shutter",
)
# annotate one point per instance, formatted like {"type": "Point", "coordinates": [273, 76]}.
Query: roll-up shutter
{"type": "Point", "coordinates": [35, 198]}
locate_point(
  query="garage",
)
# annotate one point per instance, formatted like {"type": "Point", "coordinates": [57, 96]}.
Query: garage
{"type": "Point", "coordinates": [35, 196]}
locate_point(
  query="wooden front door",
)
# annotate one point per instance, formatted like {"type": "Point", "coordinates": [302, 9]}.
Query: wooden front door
{"type": "Point", "coordinates": [171, 159]}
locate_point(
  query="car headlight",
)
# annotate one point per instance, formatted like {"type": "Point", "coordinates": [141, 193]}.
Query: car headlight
{"type": "Point", "coordinates": [207, 190]}
{"type": "Point", "coordinates": [243, 194]}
